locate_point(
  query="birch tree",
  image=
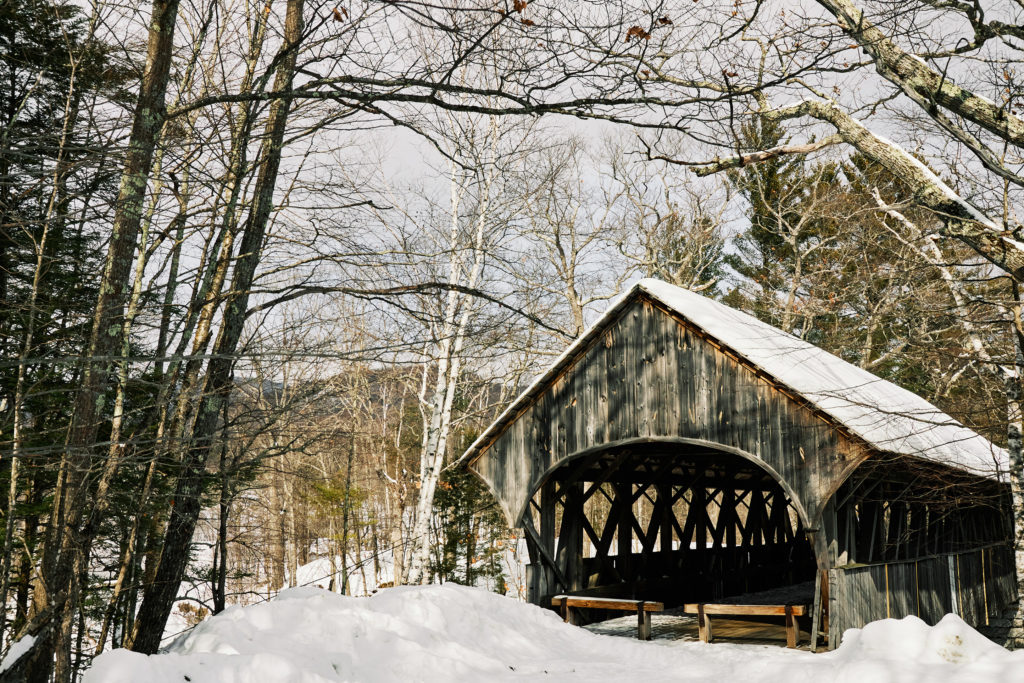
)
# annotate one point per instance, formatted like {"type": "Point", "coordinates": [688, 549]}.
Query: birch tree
{"type": "Point", "coordinates": [159, 598]}
{"type": "Point", "coordinates": [470, 222]}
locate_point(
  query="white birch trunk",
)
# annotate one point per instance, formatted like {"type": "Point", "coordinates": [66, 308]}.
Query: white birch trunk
{"type": "Point", "coordinates": [449, 365]}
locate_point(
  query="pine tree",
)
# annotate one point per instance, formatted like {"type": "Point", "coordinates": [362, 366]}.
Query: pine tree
{"type": "Point", "coordinates": [778, 193]}
{"type": "Point", "coordinates": [53, 192]}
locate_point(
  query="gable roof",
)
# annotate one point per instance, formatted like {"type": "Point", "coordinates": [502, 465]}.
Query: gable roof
{"type": "Point", "coordinates": [886, 417]}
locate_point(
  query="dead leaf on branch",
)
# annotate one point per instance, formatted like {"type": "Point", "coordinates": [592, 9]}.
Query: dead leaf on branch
{"type": "Point", "coordinates": [519, 5]}
{"type": "Point", "coordinates": [665, 21]}
{"type": "Point", "coordinates": [527, 22]}
{"type": "Point", "coordinates": [635, 32]}
{"type": "Point", "coordinates": [340, 14]}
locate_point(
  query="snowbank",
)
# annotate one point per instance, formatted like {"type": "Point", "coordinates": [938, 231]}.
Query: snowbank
{"type": "Point", "coordinates": [451, 633]}
{"type": "Point", "coordinates": [18, 649]}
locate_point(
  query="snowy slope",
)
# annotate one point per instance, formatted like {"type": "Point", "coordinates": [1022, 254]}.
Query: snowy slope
{"type": "Point", "coordinates": [450, 633]}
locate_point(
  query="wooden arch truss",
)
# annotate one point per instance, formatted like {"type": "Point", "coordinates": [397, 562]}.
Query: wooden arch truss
{"type": "Point", "coordinates": [671, 522]}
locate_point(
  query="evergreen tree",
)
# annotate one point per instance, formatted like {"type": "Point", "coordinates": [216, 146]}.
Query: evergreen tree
{"type": "Point", "coordinates": [828, 265]}
{"type": "Point", "coordinates": [54, 188]}
{"type": "Point", "coordinates": [471, 532]}
{"type": "Point", "coordinates": [790, 229]}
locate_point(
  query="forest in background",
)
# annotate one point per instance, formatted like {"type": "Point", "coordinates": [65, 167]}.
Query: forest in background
{"type": "Point", "coordinates": [267, 268]}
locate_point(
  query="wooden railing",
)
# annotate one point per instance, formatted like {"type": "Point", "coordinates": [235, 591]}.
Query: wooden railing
{"type": "Point", "coordinates": [974, 584]}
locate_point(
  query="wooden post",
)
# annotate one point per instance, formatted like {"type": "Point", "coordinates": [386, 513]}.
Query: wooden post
{"type": "Point", "coordinates": [826, 614]}
{"type": "Point", "coordinates": [699, 509]}
{"type": "Point", "coordinates": [570, 537]}
{"type": "Point", "coordinates": [547, 516]}
{"type": "Point", "coordinates": [819, 576]}
{"type": "Point", "coordinates": [643, 621]}
{"type": "Point", "coordinates": [548, 560]}
{"type": "Point", "coordinates": [703, 624]}
{"type": "Point", "coordinates": [548, 503]}
{"type": "Point", "coordinates": [727, 516]}
{"type": "Point", "coordinates": [624, 492]}
{"type": "Point", "coordinates": [665, 497]}
{"type": "Point", "coordinates": [792, 629]}
{"type": "Point", "coordinates": [565, 608]}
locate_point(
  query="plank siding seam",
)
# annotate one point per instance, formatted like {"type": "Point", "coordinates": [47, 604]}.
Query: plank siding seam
{"type": "Point", "coordinates": [917, 588]}
{"type": "Point", "coordinates": [888, 611]}
{"type": "Point", "coordinates": [984, 586]}
{"type": "Point", "coordinates": [769, 379]}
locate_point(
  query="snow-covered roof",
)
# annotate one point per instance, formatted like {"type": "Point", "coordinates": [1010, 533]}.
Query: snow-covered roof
{"type": "Point", "coordinates": [885, 416]}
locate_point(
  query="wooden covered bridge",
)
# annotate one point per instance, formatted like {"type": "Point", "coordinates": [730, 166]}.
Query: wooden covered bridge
{"type": "Point", "coordinates": [683, 452]}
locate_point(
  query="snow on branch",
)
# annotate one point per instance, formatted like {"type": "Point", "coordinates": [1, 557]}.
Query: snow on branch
{"type": "Point", "coordinates": [920, 82]}
{"type": "Point", "coordinates": [738, 161]}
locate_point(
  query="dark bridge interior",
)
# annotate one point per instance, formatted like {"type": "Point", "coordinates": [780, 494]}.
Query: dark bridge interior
{"type": "Point", "coordinates": [665, 521]}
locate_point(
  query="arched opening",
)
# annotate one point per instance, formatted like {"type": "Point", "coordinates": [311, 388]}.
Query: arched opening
{"type": "Point", "coordinates": [668, 521]}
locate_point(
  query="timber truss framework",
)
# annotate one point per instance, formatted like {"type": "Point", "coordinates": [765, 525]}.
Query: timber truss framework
{"type": "Point", "coordinates": [660, 515]}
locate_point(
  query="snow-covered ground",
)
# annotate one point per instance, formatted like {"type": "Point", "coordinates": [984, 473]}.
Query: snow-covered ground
{"type": "Point", "coordinates": [451, 633]}
{"type": "Point", "coordinates": [366, 575]}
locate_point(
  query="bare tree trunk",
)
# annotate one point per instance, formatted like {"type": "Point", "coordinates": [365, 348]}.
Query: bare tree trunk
{"type": "Point", "coordinates": [159, 597]}
{"type": "Point", "coordinates": [292, 548]}
{"type": "Point", "coordinates": [220, 564]}
{"type": "Point", "coordinates": [471, 550]}
{"type": "Point", "coordinates": [171, 287]}
{"type": "Point", "coordinates": [345, 515]}
{"type": "Point", "coordinates": [375, 549]}
{"type": "Point", "coordinates": [127, 561]}
{"type": "Point", "coordinates": [360, 535]}
{"type": "Point", "coordinates": [453, 337]}
{"type": "Point", "coordinates": [278, 535]}
{"type": "Point", "coordinates": [1015, 445]}
{"type": "Point", "coordinates": [398, 548]}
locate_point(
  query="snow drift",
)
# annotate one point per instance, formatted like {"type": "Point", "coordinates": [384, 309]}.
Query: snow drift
{"type": "Point", "coordinates": [452, 633]}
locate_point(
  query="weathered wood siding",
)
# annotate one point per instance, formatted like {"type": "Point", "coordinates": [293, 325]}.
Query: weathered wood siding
{"type": "Point", "coordinates": [975, 584]}
{"type": "Point", "coordinates": [650, 376]}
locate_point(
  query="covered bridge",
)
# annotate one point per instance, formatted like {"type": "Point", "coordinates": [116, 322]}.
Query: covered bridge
{"type": "Point", "coordinates": [682, 451]}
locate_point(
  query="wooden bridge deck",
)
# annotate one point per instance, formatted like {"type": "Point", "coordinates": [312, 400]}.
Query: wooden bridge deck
{"type": "Point", "coordinates": [673, 625]}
